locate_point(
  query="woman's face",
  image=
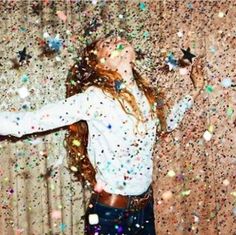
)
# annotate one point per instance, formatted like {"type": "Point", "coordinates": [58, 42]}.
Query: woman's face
{"type": "Point", "coordinates": [114, 52]}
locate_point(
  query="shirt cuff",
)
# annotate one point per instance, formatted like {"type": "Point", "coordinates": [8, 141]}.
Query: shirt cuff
{"type": "Point", "coordinates": [177, 112]}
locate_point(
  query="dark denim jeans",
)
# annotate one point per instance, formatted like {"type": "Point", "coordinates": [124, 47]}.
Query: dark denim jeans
{"type": "Point", "coordinates": [119, 221]}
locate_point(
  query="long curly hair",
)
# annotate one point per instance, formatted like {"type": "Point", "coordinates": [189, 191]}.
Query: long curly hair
{"type": "Point", "coordinates": [85, 72]}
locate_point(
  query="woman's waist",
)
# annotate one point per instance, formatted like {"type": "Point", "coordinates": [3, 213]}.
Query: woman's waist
{"type": "Point", "coordinates": [131, 202]}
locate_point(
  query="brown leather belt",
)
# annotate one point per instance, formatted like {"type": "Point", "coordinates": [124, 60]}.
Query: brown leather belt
{"type": "Point", "coordinates": [122, 201]}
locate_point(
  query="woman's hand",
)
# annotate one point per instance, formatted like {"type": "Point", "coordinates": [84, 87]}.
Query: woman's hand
{"type": "Point", "coordinates": [197, 75]}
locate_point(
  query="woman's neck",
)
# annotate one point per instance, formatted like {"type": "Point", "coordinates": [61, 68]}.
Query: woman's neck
{"type": "Point", "coordinates": [127, 75]}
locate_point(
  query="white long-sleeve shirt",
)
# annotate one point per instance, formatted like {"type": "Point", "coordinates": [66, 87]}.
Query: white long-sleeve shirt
{"type": "Point", "coordinates": [122, 158]}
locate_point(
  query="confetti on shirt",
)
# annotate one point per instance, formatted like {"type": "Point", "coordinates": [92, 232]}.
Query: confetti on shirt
{"type": "Point", "coordinates": [122, 155]}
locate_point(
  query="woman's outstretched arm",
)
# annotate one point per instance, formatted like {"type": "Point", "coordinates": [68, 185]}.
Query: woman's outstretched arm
{"type": "Point", "coordinates": [50, 116]}
{"type": "Point", "coordinates": [179, 109]}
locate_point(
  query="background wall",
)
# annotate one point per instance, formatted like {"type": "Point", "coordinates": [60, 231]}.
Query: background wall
{"type": "Point", "coordinates": [194, 167]}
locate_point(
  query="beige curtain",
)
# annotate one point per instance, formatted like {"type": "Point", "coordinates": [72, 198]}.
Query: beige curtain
{"type": "Point", "coordinates": [194, 168]}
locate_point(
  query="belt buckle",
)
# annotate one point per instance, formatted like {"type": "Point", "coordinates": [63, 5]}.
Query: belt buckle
{"type": "Point", "coordinates": [137, 203]}
{"type": "Point", "coordinates": [133, 204]}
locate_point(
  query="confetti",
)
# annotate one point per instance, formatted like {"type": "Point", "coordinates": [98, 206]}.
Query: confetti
{"type": "Point", "coordinates": [98, 187]}
{"type": "Point", "coordinates": [62, 227]}
{"type": "Point", "coordinates": [207, 135]}
{"type": "Point", "coordinates": [230, 112]}
{"type": "Point", "coordinates": [61, 15]}
{"type": "Point", "coordinates": [94, 2]}
{"type": "Point", "coordinates": [23, 92]}
{"type": "Point", "coordinates": [233, 193]}
{"type": "Point", "coordinates": [211, 128]}
{"type": "Point", "coordinates": [234, 211]}
{"type": "Point", "coordinates": [19, 231]}
{"type": "Point", "coordinates": [167, 195]}
{"type": "Point", "coordinates": [221, 14]}
{"type": "Point", "coordinates": [93, 219]}
{"type": "Point", "coordinates": [209, 88]}
{"type": "Point", "coordinates": [76, 143]}
{"type": "Point", "coordinates": [55, 43]}
{"type": "Point", "coordinates": [171, 173]}
{"type": "Point", "coordinates": [25, 78]}
{"type": "Point", "coordinates": [171, 61]}
{"type": "Point", "coordinates": [187, 54]}
{"type": "Point", "coordinates": [56, 214]}
{"type": "Point", "coordinates": [46, 35]}
{"type": "Point", "coordinates": [226, 182]}
{"type": "Point", "coordinates": [142, 6]}
{"type": "Point", "coordinates": [73, 168]}
{"type": "Point", "coordinates": [183, 71]}
{"type": "Point", "coordinates": [58, 58]}
{"type": "Point", "coordinates": [180, 34]}
{"type": "Point", "coordinates": [114, 53]}
{"type": "Point", "coordinates": [226, 82]}
{"type": "Point", "coordinates": [24, 57]}
{"type": "Point", "coordinates": [185, 193]}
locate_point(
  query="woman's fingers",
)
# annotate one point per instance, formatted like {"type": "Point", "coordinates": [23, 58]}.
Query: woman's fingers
{"type": "Point", "coordinates": [197, 73]}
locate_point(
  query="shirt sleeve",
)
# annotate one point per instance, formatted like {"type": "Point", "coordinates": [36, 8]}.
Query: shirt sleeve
{"type": "Point", "coordinates": [50, 116]}
{"type": "Point", "coordinates": [177, 112]}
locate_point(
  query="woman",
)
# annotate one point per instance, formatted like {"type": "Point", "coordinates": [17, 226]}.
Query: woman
{"type": "Point", "coordinates": [114, 117]}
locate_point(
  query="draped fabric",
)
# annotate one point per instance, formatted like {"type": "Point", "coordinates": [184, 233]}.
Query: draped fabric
{"type": "Point", "coordinates": [194, 166]}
